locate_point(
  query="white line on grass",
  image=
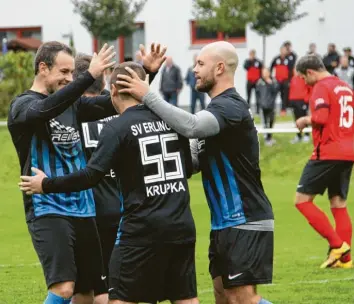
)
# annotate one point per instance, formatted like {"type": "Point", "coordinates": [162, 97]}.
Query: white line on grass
{"type": "Point", "coordinates": [19, 265]}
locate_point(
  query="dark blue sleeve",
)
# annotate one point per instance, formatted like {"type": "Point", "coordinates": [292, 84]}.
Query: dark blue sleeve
{"type": "Point", "coordinates": [95, 108]}
{"type": "Point", "coordinates": [228, 112]}
{"type": "Point", "coordinates": [28, 109]}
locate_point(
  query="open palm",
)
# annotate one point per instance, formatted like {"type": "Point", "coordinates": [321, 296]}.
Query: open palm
{"type": "Point", "coordinates": [153, 60]}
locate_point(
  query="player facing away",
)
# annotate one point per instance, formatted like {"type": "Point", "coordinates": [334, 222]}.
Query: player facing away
{"type": "Point", "coordinates": [154, 255]}
{"type": "Point", "coordinates": [331, 162]}
{"type": "Point", "coordinates": [227, 149]}
{"type": "Point", "coordinates": [44, 126]}
{"type": "Point", "coordinates": [106, 194]}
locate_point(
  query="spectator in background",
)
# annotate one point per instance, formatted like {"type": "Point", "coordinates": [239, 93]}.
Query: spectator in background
{"type": "Point", "coordinates": [253, 66]}
{"type": "Point", "coordinates": [348, 52]}
{"type": "Point", "coordinates": [107, 79]}
{"type": "Point", "coordinates": [345, 72]}
{"type": "Point", "coordinates": [195, 95]}
{"type": "Point", "coordinates": [282, 67]}
{"type": "Point", "coordinates": [291, 56]}
{"type": "Point", "coordinates": [331, 59]}
{"type": "Point", "coordinates": [299, 95]}
{"type": "Point", "coordinates": [171, 82]}
{"type": "Point", "coordinates": [266, 91]}
{"type": "Point", "coordinates": [312, 49]}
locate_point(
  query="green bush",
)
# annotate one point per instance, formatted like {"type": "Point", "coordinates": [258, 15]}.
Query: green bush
{"type": "Point", "coordinates": [18, 72]}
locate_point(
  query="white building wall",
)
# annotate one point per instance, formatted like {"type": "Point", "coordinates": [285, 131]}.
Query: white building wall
{"type": "Point", "coordinates": [167, 21]}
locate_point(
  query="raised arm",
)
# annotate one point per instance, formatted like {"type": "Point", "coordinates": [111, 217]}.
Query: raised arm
{"type": "Point", "coordinates": [28, 110]}
{"type": "Point", "coordinates": [199, 125]}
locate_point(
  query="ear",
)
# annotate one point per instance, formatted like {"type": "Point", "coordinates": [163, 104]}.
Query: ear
{"type": "Point", "coordinates": [42, 68]}
{"type": "Point", "coordinates": [114, 91]}
{"type": "Point", "coordinates": [220, 68]}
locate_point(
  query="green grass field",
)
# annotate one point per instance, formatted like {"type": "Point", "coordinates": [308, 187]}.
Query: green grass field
{"type": "Point", "coordinates": [298, 250]}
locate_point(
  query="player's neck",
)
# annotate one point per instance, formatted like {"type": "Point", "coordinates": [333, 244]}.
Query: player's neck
{"type": "Point", "coordinates": [126, 104]}
{"type": "Point", "coordinates": [220, 87]}
{"type": "Point", "coordinates": [38, 86]}
{"type": "Point", "coordinates": [323, 75]}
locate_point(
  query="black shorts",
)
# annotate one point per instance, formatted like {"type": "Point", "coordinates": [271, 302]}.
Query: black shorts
{"type": "Point", "coordinates": [241, 257]}
{"type": "Point", "coordinates": [152, 274]}
{"type": "Point", "coordinates": [107, 231]}
{"type": "Point", "coordinates": [319, 175]}
{"type": "Point", "coordinates": [68, 249]}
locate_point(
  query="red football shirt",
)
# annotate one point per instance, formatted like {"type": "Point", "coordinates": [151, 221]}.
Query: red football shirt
{"type": "Point", "coordinates": [331, 105]}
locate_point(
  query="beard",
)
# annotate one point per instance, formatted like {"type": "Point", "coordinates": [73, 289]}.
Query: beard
{"type": "Point", "coordinates": [205, 85]}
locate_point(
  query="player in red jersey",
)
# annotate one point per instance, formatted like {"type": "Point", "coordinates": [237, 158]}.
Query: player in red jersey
{"type": "Point", "coordinates": [331, 163]}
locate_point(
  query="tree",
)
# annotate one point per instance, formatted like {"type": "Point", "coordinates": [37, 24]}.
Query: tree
{"type": "Point", "coordinates": [225, 15]}
{"type": "Point", "coordinates": [108, 19]}
{"type": "Point", "coordinates": [264, 16]}
{"type": "Point", "coordinates": [274, 16]}
{"type": "Point", "coordinates": [17, 69]}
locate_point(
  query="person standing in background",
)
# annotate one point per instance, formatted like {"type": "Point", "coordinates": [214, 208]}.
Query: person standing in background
{"type": "Point", "coordinates": [345, 72]}
{"type": "Point", "coordinates": [312, 49]}
{"type": "Point", "coordinates": [331, 60]}
{"type": "Point", "coordinates": [171, 82]}
{"type": "Point", "coordinates": [253, 66]}
{"type": "Point", "coordinates": [195, 95]}
{"type": "Point", "coordinates": [299, 95]}
{"type": "Point", "coordinates": [281, 65]}
{"type": "Point", "coordinates": [266, 91]}
{"type": "Point", "coordinates": [107, 79]}
{"type": "Point", "coordinates": [348, 52]}
{"type": "Point", "coordinates": [291, 56]}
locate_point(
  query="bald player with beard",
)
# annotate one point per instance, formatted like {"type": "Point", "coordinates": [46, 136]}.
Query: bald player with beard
{"type": "Point", "coordinates": [226, 152]}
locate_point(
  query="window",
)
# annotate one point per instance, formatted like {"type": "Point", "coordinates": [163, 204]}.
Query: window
{"type": "Point", "coordinates": [200, 35]}
{"type": "Point", "coordinates": [125, 47]}
{"type": "Point", "coordinates": [21, 32]}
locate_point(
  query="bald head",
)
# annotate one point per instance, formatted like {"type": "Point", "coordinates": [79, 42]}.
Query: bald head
{"type": "Point", "coordinates": [222, 51]}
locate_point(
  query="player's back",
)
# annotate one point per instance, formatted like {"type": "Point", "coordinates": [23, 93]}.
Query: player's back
{"type": "Point", "coordinates": [151, 168]}
{"type": "Point", "coordinates": [229, 163]}
{"type": "Point", "coordinates": [333, 133]}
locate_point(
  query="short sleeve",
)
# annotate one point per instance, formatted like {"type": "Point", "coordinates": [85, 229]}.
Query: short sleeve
{"type": "Point", "coordinates": [107, 149]}
{"type": "Point", "coordinates": [228, 112]}
{"type": "Point", "coordinates": [320, 103]}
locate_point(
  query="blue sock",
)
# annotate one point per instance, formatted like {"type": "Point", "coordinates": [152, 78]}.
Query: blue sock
{"type": "Point", "coordinates": [263, 301]}
{"type": "Point", "coordinates": [54, 299]}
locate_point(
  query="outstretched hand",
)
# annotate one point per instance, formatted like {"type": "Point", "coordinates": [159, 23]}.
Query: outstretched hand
{"type": "Point", "coordinates": [152, 61]}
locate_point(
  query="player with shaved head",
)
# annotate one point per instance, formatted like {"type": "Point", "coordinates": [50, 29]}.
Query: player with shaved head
{"type": "Point", "coordinates": [226, 151]}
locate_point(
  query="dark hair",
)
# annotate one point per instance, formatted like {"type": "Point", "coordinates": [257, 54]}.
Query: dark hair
{"type": "Point", "coordinates": [120, 69]}
{"type": "Point", "coordinates": [310, 62]}
{"type": "Point", "coordinates": [82, 64]}
{"type": "Point", "coordinates": [48, 52]}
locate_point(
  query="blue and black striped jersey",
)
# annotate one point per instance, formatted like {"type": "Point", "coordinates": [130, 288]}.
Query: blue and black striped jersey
{"type": "Point", "coordinates": [45, 132]}
{"type": "Point", "coordinates": [229, 162]}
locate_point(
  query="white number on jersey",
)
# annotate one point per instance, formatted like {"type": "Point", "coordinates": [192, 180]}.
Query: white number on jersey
{"type": "Point", "coordinates": [159, 159]}
{"type": "Point", "coordinates": [90, 143]}
{"type": "Point", "coordinates": [346, 111]}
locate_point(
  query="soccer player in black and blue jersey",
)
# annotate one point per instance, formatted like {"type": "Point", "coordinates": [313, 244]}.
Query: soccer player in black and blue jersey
{"type": "Point", "coordinates": [227, 152]}
{"type": "Point", "coordinates": [44, 125]}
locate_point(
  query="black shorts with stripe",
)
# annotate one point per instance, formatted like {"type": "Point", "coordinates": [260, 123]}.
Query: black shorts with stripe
{"type": "Point", "coordinates": [241, 257]}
